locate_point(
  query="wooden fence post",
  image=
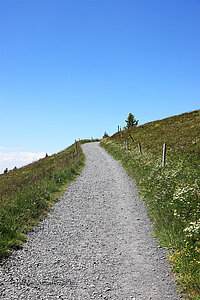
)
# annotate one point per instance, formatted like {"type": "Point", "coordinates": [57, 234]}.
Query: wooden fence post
{"type": "Point", "coordinates": [164, 155]}
{"type": "Point", "coordinates": [118, 128]}
{"type": "Point", "coordinates": [76, 148]}
{"type": "Point", "coordinates": [126, 144]}
{"type": "Point", "coordinates": [140, 150]}
{"type": "Point", "coordinates": [131, 137]}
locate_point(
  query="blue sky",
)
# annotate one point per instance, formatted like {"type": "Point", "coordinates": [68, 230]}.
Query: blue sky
{"type": "Point", "coordinates": [74, 69]}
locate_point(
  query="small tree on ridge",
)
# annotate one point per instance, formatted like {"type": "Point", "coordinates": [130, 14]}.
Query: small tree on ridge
{"type": "Point", "coordinates": [131, 121]}
{"type": "Point", "coordinates": [105, 135]}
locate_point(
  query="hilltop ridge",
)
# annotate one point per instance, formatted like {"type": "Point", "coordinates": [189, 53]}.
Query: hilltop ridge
{"type": "Point", "coordinates": [180, 132]}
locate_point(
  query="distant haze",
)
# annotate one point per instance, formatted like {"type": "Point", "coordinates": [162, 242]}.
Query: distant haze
{"type": "Point", "coordinates": [11, 159]}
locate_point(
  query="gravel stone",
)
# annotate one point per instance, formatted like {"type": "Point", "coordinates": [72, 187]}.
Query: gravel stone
{"type": "Point", "coordinates": [95, 243]}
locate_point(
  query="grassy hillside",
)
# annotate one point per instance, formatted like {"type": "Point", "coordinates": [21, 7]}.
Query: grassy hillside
{"type": "Point", "coordinates": [181, 133]}
{"type": "Point", "coordinates": [171, 193]}
{"type": "Point", "coordinates": [26, 194]}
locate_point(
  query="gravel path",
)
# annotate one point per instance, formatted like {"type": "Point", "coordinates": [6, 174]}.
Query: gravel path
{"type": "Point", "coordinates": [94, 244]}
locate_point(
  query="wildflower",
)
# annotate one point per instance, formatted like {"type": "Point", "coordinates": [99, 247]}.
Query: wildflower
{"type": "Point", "coordinates": [192, 229]}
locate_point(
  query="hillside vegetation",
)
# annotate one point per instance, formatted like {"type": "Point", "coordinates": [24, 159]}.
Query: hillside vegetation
{"type": "Point", "coordinates": [171, 193]}
{"type": "Point", "coordinates": [27, 193]}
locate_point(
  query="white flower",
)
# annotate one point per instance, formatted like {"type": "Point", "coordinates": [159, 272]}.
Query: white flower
{"type": "Point", "coordinates": [192, 229]}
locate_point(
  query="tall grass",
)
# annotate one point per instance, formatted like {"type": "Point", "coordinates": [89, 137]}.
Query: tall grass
{"type": "Point", "coordinates": [27, 194]}
{"type": "Point", "coordinates": [172, 193]}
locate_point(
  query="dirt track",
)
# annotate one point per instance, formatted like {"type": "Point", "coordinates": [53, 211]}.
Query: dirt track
{"type": "Point", "coordinates": [95, 243]}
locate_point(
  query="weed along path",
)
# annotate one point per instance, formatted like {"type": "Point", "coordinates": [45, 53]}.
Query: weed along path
{"type": "Point", "coordinates": [95, 243]}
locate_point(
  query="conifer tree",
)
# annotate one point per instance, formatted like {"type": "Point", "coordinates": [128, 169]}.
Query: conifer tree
{"type": "Point", "coordinates": [105, 135]}
{"type": "Point", "coordinates": [131, 121]}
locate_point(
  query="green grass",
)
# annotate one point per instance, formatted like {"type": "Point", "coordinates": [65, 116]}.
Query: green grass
{"type": "Point", "coordinates": [172, 193]}
{"type": "Point", "coordinates": [90, 140]}
{"type": "Point", "coordinates": [27, 194]}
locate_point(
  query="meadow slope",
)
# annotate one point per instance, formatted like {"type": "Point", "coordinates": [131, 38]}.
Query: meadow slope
{"type": "Point", "coordinates": [27, 193]}
{"type": "Point", "coordinates": [171, 193]}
